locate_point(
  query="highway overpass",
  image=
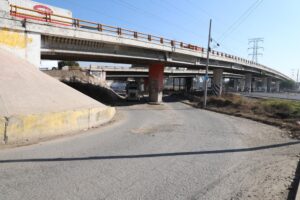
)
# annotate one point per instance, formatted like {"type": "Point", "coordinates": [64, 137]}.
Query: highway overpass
{"type": "Point", "coordinates": [40, 34]}
{"type": "Point", "coordinates": [126, 72]}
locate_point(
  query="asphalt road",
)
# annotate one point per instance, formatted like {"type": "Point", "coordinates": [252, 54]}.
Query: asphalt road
{"type": "Point", "coordinates": [169, 151]}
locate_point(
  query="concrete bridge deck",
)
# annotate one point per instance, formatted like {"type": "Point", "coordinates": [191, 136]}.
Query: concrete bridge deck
{"type": "Point", "coordinates": [43, 35]}
{"type": "Point", "coordinates": [84, 41]}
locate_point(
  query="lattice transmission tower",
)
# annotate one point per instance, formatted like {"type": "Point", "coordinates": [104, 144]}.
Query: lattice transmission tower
{"type": "Point", "coordinates": [254, 46]}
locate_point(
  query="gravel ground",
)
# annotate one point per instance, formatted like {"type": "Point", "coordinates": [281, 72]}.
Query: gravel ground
{"type": "Point", "coordinates": [284, 95]}
{"type": "Point", "coordinates": [169, 151]}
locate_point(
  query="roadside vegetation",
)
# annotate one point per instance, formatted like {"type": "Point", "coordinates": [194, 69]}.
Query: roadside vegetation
{"type": "Point", "coordinates": [282, 113]}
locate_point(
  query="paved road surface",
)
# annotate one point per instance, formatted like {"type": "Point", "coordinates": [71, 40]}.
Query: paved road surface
{"type": "Point", "coordinates": [170, 151]}
{"type": "Point", "coordinates": [291, 96]}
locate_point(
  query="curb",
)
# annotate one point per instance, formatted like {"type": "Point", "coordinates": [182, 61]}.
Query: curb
{"type": "Point", "coordinates": [23, 129]}
{"type": "Point", "coordinates": [2, 129]}
{"type": "Point", "coordinates": [298, 176]}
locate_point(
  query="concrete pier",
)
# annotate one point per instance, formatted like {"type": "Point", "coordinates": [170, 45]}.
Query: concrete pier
{"type": "Point", "coordinates": [156, 79]}
{"type": "Point", "coordinates": [248, 83]}
{"type": "Point", "coordinates": [265, 84]}
{"type": "Point", "coordinates": [218, 81]}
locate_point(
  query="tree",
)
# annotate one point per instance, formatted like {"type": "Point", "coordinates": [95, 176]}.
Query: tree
{"type": "Point", "coordinates": [72, 64]}
{"type": "Point", "coordinates": [288, 84]}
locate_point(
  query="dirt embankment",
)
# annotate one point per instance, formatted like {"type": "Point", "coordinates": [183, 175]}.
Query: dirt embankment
{"type": "Point", "coordinates": [281, 113]}
{"type": "Point", "coordinates": [87, 84]}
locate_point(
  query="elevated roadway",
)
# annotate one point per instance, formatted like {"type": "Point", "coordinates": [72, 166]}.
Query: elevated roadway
{"type": "Point", "coordinates": [47, 35]}
{"type": "Point", "coordinates": [125, 72]}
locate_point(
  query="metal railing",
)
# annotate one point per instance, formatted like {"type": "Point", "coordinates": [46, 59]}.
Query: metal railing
{"type": "Point", "coordinates": [26, 13]}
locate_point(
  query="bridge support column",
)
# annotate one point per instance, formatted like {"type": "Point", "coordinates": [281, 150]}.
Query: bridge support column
{"type": "Point", "coordinates": [277, 86]}
{"type": "Point", "coordinates": [217, 85]}
{"type": "Point", "coordinates": [248, 83]}
{"type": "Point", "coordinates": [189, 84]}
{"type": "Point", "coordinates": [156, 80]}
{"type": "Point", "coordinates": [254, 85]}
{"type": "Point", "coordinates": [242, 85]}
{"type": "Point", "coordinates": [236, 85]}
{"type": "Point", "coordinates": [269, 85]}
{"type": "Point", "coordinates": [265, 84]}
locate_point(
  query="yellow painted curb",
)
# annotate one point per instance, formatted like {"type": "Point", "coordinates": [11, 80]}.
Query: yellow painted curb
{"type": "Point", "coordinates": [31, 128]}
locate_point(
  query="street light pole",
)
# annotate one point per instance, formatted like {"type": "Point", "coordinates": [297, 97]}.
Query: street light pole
{"type": "Point", "coordinates": [207, 64]}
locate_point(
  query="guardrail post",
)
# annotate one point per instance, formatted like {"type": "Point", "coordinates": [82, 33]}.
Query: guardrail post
{"type": "Point", "coordinates": [100, 27]}
{"type": "Point", "coordinates": [172, 43]}
{"type": "Point", "coordinates": [119, 31]}
{"type": "Point", "coordinates": [48, 17]}
{"type": "Point", "coordinates": [13, 9]}
{"type": "Point", "coordinates": [76, 22]}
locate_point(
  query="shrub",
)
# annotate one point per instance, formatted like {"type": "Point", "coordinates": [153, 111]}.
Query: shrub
{"type": "Point", "coordinates": [279, 108]}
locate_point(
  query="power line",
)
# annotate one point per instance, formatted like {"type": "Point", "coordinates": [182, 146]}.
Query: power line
{"type": "Point", "coordinates": [97, 11]}
{"type": "Point", "coordinates": [255, 48]}
{"type": "Point", "coordinates": [241, 19]}
{"type": "Point", "coordinates": [143, 11]}
{"type": "Point", "coordinates": [168, 6]}
{"type": "Point", "coordinates": [219, 20]}
{"type": "Point", "coordinates": [201, 9]}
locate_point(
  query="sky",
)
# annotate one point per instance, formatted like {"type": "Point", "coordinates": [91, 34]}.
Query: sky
{"type": "Point", "coordinates": [233, 23]}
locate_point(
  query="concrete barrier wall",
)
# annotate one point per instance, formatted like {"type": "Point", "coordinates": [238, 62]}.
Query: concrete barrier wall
{"type": "Point", "coordinates": [25, 45]}
{"type": "Point", "coordinates": [32, 128]}
{"type": "Point", "coordinates": [2, 129]}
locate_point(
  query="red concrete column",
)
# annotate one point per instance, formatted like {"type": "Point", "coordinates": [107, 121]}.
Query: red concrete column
{"type": "Point", "coordinates": [156, 82]}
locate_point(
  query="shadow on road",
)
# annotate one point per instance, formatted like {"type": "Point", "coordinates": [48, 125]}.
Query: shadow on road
{"type": "Point", "coordinates": [151, 155]}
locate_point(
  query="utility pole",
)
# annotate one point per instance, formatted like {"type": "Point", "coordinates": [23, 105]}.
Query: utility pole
{"type": "Point", "coordinates": [255, 48]}
{"type": "Point", "coordinates": [207, 64]}
{"type": "Point", "coordinates": [298, 76]}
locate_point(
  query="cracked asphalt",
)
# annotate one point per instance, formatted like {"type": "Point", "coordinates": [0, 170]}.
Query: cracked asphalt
{"type": "Point", "coordinates": [169, 151]}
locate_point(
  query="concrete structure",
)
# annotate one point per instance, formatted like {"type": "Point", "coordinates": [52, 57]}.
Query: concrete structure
{"type": "Point", "coordinates": [42, 35]}
{"type": "Point", "coordinates": [248, 83]}
{"type": "Point", "coordinates": [125, 72]}
{"type": "Point", "coordinates": [254, 85]}
{"type": "Point", "coordinates": [156, 77]}
{"type": "Point", "coordinates": [242, 83]}
{"type": "Point", "coordinates": [34, 106]}
{"type": "Point", "coordinates": [277, 86]}
{"type": "Point", "coordinates": [236, 85]}
{"type": "Point", "coordinates": [218, 81]}
{"type": "Point", "coordinates": [269, 85]}
{"type": "Point", "coordinates": [265, 84]}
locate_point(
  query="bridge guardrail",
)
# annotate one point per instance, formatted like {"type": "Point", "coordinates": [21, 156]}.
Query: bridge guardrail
{"type": "Point", "coordinates": [27, 13]}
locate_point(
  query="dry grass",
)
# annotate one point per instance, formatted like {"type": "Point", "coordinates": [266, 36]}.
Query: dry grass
{"type": "Point", "coordinates": [282, 113]}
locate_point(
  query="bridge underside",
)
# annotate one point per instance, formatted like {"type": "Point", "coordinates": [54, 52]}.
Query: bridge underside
{"type": "Point", "coordinates": [54, 48]}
